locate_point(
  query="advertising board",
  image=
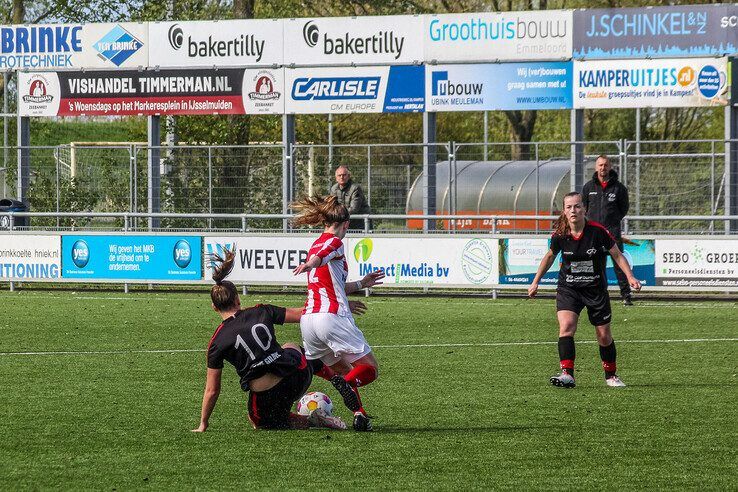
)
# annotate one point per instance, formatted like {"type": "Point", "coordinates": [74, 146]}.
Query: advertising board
{"type": "Point", "coordinates": [519, 260]}
{"type": "Point", "coordinates": [660, 83]}
{"type": "Point", "coordinates": [655, 32]}
{"type": "Point", "coordinates": [499, 86]}
{"type": "Point", "coordinates": [29, 257]}
{"type": "Point", "coordinates": [224, 43]}
{"type": "Point", "coordinates": [498, 36]}
{"type": "Point", "coordinates": [697, 263]}
{"type": "Point", "coordinates": [261, 259]}
{"type": "Point", "coordinates": [74, 46]}
{"type": "Point", "coordinates": [370, 40]}
{"type": "Point", "coordinates": [150, 258]}
{"type": "Point", "coordinates": [165, 92]}
{"type": "Point", "coordinates": [422, 261]}
{"type": "Point", "coordinates": [396, 89]}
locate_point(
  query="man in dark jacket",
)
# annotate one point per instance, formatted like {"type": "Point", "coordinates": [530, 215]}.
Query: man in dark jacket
{"type": "Point", "coordinates": [606, 201]}
{"type": "Point", "coordinates": [351, 196]}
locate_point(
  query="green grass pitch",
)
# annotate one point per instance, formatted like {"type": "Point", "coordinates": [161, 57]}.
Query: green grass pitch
{"type": "Point", "coordinates": [462, 401]}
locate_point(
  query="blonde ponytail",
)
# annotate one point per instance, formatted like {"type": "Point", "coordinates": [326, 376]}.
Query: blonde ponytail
{"type": "Point", "coordinates": [319, 210]}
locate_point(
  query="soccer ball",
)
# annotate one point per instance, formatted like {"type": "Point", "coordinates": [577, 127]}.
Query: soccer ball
{"type": "Point", "coordinates": [312, 401]}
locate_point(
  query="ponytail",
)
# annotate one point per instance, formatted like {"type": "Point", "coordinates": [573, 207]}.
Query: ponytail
{"type": "Point", "coordinates": [223, 294]}
{"type": "Point", "coordinates": [319, 210]}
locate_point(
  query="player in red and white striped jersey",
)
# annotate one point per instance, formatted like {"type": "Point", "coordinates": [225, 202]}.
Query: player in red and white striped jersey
{"type": "Point", "coordinates": [328, 329]}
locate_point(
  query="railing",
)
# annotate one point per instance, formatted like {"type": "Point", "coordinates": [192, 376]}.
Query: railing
{"type": "Point", "coordinates": [430, 221]}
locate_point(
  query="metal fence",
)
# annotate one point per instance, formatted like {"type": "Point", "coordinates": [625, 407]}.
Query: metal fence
{"type": "Point", "coordinates": [665, 178]}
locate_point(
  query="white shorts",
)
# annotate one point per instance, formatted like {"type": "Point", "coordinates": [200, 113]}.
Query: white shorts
{"type": "Point", "coordinates": [332, 338]}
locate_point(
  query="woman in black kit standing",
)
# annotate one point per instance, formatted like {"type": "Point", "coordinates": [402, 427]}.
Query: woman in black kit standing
{"type": "Point", "coordinates": [584, 247]}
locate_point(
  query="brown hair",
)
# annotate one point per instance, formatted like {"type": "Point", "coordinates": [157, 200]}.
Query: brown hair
{"type": "Point", "coordinates": [319, 210]}
{"type": "Point", "coordinates": [223, 294]}
{"type": "Point", "coordinates": [561, 226]}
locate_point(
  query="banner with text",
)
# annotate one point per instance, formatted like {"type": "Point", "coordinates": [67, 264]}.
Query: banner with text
{"type": "Point", "coordinates": [519, 260]}
{"type": "Point", "coordinates": [697, 262]}
{"type": "Point", "coordinates": [64, 46]}
{"type": "Point", "coordinates": [498, 36]}
{"type": "Point", "coordinates": [224, 43]}
{"type": "Point", "coordinates": [425, 261]}
{"type": "Point", "coordinates": [108, 93]}
{"type": "Point", "coordinates": [153, 258]}
{"type": "Point", "coordinates": [684, 82]}
{"type": "Point", "coordinates": [262, 259]}
{"type": "Point", "coordinates": [503, 86]}
{"type": "Point", "coordinates": [30, 257]}
{"type": "Point", "coordinates": [355, 90]}
{"type": "Point", "coordinates": [386, 40]}
{"type": "Point", "coordinates": [656, 32]}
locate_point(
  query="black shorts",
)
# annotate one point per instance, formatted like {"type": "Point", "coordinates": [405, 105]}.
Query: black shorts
{"type": "Point", "coordinates": [596, 300]}
{"type": "Point", "coordinates": [271, 409]}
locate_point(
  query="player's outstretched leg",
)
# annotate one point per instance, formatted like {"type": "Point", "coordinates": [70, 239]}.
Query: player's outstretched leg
{"type": "Point", "coordinates": [358, 373]}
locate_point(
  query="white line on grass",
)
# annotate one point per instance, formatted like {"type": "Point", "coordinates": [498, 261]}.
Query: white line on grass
{"type": "Point", "coordinates": [706, 304]}
{"type": "Point", "coordinates": [401, 346]}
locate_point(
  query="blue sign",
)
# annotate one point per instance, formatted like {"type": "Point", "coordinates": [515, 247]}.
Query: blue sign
{"type": "Point", "coordinates": [118, 45]}
{"type": "Point", "coordinates": [150, 258]}
{"type": "Point", "coordinates": [665, 32]}
{"type": "Point", "coordinates": [499, 86]}
{"type": "Point", "coordinates": [395, 89]}
{"type": "Point", "coordinates": [520, 259]}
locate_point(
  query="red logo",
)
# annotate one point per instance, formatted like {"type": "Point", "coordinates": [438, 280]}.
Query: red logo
{"type": "Point", "coordinates": [264, 88]}
{"type": "Point", "coordinates": [37, 91]}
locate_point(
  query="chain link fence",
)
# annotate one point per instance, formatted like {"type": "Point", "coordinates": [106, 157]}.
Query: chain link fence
{"type": "Point", "coordinates": [664, 178]}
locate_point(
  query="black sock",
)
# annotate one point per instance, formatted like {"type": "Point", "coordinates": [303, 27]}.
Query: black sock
{"type": "Point", "coordinates": [567, 353]}
{"type": "Point", "coordinates": [608, 356]}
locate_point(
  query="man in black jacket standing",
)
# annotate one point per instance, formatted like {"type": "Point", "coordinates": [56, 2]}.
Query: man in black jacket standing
{"type": "Point", "coordinates": [606, 201]}
{"type": "Point", "coordinates": [351, 196]}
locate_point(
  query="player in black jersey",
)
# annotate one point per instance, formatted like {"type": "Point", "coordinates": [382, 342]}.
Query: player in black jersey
{"type": "Point", "coordinates": [275, 376]}
{"type": "Point", "coordinates": [584, 247]}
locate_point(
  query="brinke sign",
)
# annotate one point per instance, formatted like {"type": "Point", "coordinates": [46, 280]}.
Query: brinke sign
{"type": "Point", "coordinates": [665, 32]}
{"type": "Point", "coordinates": [492, 36]}
{"type": "Point", "coordinates": [49, 47]}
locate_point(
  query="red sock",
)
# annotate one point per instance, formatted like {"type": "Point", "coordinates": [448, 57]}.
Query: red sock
{"type": "Point", "coordinates": [568, 366]}
{"type": "Point", "coordinates": [325, 372]}
{"type": "Point", "coordinates": [361, 375]}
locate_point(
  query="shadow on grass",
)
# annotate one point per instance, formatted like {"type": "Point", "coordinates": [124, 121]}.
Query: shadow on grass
{"type": "Point", "coordinates": [390, 429]}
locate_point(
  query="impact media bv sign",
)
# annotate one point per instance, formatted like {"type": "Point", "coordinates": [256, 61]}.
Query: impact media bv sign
{"type": "Point", "coordinates": [658, 83]}
{"type": "Point", "coordinates": [154, 258]}
{"type": "Point", "coordinates": [498, 36]}
{"type": "Point", "coordinates": [376, 40]}
{"type": "Point", "coordinates": [422, 262]}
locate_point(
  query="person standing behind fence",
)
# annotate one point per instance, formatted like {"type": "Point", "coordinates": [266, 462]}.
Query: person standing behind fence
{"type": "Point", "coordinates": [351, 196]}
{"type": "Point", "coordinates": [606, 201]}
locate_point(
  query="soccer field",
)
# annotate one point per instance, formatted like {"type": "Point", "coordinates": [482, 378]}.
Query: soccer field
{"type": "Point", "coordinates": [100, 391]}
